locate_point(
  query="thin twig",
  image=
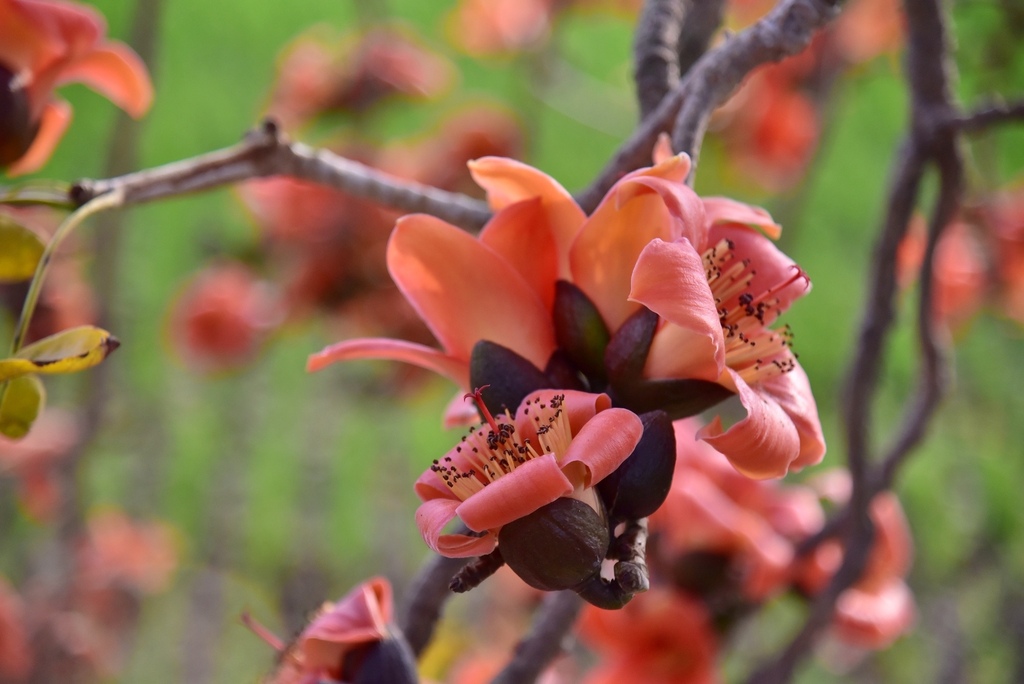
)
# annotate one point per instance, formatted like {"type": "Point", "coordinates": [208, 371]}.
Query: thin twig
{"type": "Point", "coordinates": [545, 641]}
{"type": "Point", "coordinates": [988, 115]}
{"type": "Point", "coordinates": [266, 152]}
{"type": "Point", "coordinates": [784, 31]}
{"type": "Point", "coordinates": [427, 595]}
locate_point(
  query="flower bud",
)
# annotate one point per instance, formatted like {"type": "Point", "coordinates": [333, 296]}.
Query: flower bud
{"type": "Point", "coordinates": [558, 546]}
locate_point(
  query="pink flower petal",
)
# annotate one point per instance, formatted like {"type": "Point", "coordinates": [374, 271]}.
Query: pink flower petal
{"type": "Point", "coordinates": [670, 280]}
{"type": "Point", "coordinates": [673, 167]}
{"type": "Point", "coordinates": [521, 234]}
{"type": "Point", "coordinates": [55, 120]}
{"type": "Point", "coordinates": [685, 208]}
{"type": "Point", "coordinates": [763, 444]}
{"type": "Point", "coordinates": [391, 350]}
{"type": "Point", "coordinates": [726, 210]}
{"type": "Point", "coordinates": [875, 619]}
{"type": "Point", "coordinates": [432, 516]}
{"type": "Point", "coordinates": [115, 72]}
{"type": "Point", "coordinates": [603, 444]}
{"type": "Point", "coordinates": [792, 392]}
{"type": "Point", "coordinates": [465, 292]}
{"type": "Point", "coordinates": [459, 412]}
{"type": "Point", "coordinates": [360, 617]}
{"type": "Point", "coordinates": [510, 497]}
{"type": "Point", "coordinates": [606, 250]}
{"type": "Point", "coordinates": [774, 270]}
{"type": "Point", "coordinates": [508, 181]}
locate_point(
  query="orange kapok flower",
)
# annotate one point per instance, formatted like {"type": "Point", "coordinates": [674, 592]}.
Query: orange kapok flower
{"type": "Point", "coordinates": [661, 637]}
{"type": "Point", "coordinates": [222, 318]}
{"type": "Point", "coordinates": [44, 44]}
{"type": "Point", "coordinates": [713, 283]}
{"type": "Point", "coordinates": [558, 444]}
{"type": "Point", "coordinates": [879, 607]}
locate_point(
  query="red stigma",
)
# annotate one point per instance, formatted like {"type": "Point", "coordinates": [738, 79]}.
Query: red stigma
{"type": "Point", "coordinates": [477, 396]}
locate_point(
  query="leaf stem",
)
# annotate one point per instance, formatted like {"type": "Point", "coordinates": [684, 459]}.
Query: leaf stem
{"type": "Point", "coordinates": [102, 203]}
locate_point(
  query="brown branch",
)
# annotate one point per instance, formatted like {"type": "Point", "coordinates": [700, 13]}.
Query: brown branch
{"type": "Point", "coordinates": [545, 641]}
{"type": "Point", "coordinates": [703, 19]}
{"type": "Point", "coordinates": [989, 115]}
{"type": "Point", "coordinates": [656, 52]}
{"type": "Point", "coordinates": [266, 152]}
{"type": "Point", "coordinates": [427, 595]}
{"type": "Point", "coordinates": [929, 141]}
{"type": "Point", "coordinates": [784, 31]}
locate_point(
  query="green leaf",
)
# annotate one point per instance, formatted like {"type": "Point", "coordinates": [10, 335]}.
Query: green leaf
{"type": "Point", "coordinates": [20, 251]}
{"type": "Point", "coordinates": [20, 404]}
{"type": "Point", "coordinates": [68, 351]}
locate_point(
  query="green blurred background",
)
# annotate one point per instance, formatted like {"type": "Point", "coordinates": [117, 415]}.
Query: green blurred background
{"type": "Point", "coordinates": [287, 486]}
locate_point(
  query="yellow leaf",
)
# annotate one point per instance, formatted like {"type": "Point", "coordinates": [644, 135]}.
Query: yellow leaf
{"type": "Point", "coordinates": [20, 250]}
{"type": "Point", "coordinates": [20, 404]}
{"type": "Point", "coordinates": [68, 351]}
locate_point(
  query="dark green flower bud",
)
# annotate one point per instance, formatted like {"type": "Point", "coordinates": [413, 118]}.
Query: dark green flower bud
{"type": "Point", "coordinates": [558, 546]}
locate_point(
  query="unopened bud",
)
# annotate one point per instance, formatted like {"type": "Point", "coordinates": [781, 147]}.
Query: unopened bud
{"type": "Point", "coordinates": [556, 547]}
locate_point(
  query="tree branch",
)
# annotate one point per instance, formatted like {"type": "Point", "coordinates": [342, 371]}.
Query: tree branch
{"type": "Point", "coordinates": [545, 641]}
{"type": "Point", "coordinates": [266, 152]}
{"type": "Point", "coordinates": [427, 595]}
{"type": "Point", "coordinates": [785, 31]}
{"type": "Point", "coordinates": [988, 115]}
{"type": "Point", "coordinates": [656, 52]}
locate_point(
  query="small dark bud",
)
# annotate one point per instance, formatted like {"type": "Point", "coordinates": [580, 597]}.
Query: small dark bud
{"type": "Point", "coordinates": [580, 331]}
{"type": "Point", "coordinates": [556, 547]}
{"type": "Point", "coordinates": [17, 130]}
{"type": "Point", "coordinates": [640, 484]}
{"type": "Point", "coordinates": [510, 377]}
{"type": "Point", "coordinates": [627, 350]}
{"type": "Point", "coordinates": [384, 662]}
{"type": "Point", "coordinates": [604, 594]}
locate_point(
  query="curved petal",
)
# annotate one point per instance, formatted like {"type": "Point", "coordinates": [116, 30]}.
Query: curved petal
{"type": "Point", "coordinates": [579, 406]}
{"type": "Point", "coordinates": [875, 619]}
{"type": "Point", "coordinates": [670, 280]}
{"type": "Point", "coordinates": [726, 210]}
{"type": "Point", "coordinates": [510, 497]}
{"type": "Point", "coordinates": [603, 444]}
{"type": "Point", "coordinates": [360, 617]}
{"type": "Point", "coordinates": [521, 234]}
{"type": "Point", "coordinates": [605, 252]}
{"type": "Point", "coordinates": [459, 412]}
{"type": "Point", "coordinates": [465, 292]}
{"type": "Point", "coordinates": [55, 119]}
{"type": "Point", "coordinates": [391, 350]}
{"type": "Point", "coordinates": [792, 392]}
{"type": "Point", "coordinates": [773, 270]}
{"type": "Point", "coordinates": [117, 73]}
{"type": "Point", "coordinates": [684, 206]}
{"type": "Point", "coordinates": [508, 181]}
{"type": "Point", "coordinates": [763, 444]}
{"type": "Point", "coordinates": [34, 35]}
{"type": "Point", "coordinates": [673, 167]}
{"type": "Point", "coordinates": [431, 518]}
